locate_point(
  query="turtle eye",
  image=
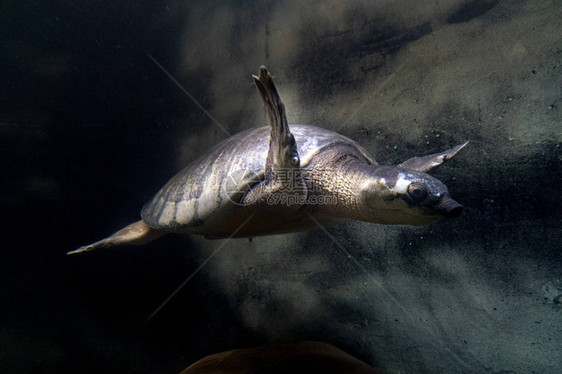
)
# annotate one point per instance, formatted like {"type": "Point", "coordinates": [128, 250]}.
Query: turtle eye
{"type": "Point", "coordinates": [417, 191]}
{"type": "Point", "coordinates": [295, 160]}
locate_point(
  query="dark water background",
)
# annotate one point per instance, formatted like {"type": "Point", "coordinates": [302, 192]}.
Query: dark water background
{"type": "Point", "coordinates": [90, 128]}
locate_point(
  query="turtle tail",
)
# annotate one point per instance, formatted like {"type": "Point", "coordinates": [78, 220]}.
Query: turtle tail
{"type": "Point", "coordinates": [136, 234]}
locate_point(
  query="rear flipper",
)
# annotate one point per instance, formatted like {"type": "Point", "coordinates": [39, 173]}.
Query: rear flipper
{"type": "Point", "coordinates": [136, 234]}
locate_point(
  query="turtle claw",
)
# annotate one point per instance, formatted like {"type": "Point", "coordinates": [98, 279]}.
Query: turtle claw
{"type": "Point", "coordinates": [104, 243]}
{"type": "Point", "coordinates": [136, 233]}
{"type": "Point", "coordinates": [84, 248]}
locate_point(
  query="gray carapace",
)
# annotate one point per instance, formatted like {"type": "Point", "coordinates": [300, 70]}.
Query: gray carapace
{"type": "Point", "coordinates": [283, 178]}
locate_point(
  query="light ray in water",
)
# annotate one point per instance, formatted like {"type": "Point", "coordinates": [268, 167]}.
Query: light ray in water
{"type": "Point", "coordinates": [377, 282]}
{"type": "Point", "coordinates": [368, 98]}
{"type": "Point", "coordinates": [182, 88]}
{"type": "Point", "coordinates": [215, 252]}
{"type": "Point", "coordinates": [381, 286]}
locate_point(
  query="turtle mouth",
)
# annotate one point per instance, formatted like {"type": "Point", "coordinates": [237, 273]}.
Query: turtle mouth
{"type": "Point", "coordinates": [449, 208]}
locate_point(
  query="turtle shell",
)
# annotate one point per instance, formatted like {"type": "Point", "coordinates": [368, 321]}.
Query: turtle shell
{"type": "Point", "coordinates": [197, 191]}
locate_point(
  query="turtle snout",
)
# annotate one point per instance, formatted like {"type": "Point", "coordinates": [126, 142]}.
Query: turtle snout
{"type": "Point", "coordinates": [449, 208]}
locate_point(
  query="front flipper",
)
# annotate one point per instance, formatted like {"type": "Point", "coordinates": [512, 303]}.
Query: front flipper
{"type": "Point", "coordinates": [283, 153]}
{"type": "Point", "coordinates": [283, 181]}
{"type": "Point", "coordinates": [431, 162]}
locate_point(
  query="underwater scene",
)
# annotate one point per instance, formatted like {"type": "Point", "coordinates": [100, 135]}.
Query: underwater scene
{"type": "Point", "coordinates": [330, 235]}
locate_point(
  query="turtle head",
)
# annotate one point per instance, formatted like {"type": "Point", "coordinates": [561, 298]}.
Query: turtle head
{"type": "Point", "coordinates": [396, 195]}
{"type": "Point", "coordinates": [406, 194]}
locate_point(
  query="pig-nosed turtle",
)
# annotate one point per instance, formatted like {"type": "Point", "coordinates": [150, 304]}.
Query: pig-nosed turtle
{"type": "Point", "coordinates": [250, 185]}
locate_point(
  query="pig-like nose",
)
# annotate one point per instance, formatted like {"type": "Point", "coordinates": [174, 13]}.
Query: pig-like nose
{"type": "Point", "coordinates": [450, 208]}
